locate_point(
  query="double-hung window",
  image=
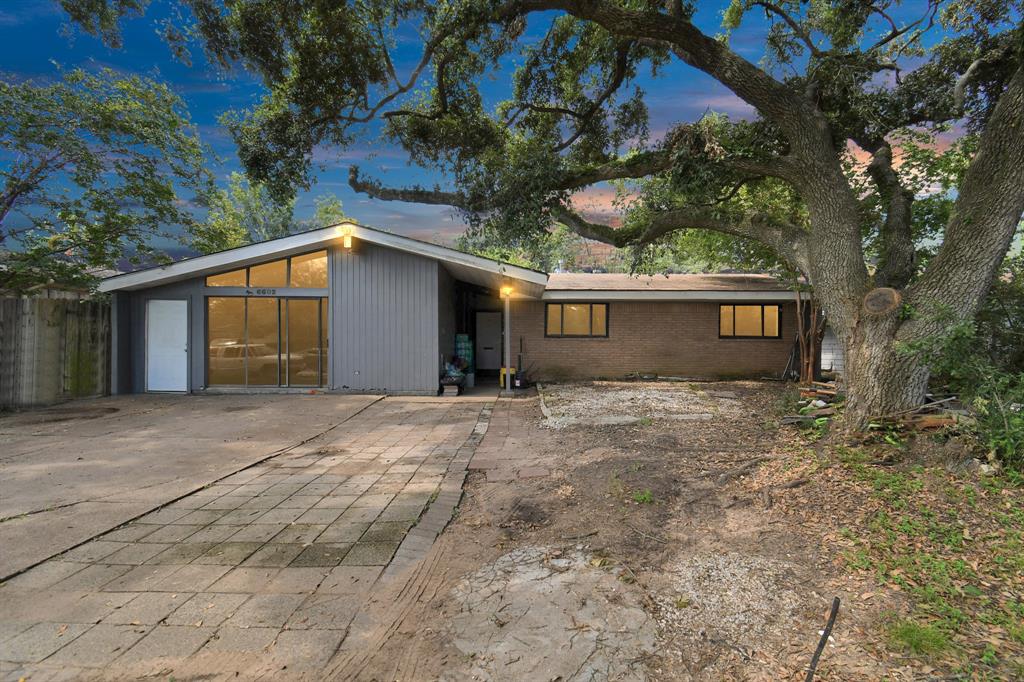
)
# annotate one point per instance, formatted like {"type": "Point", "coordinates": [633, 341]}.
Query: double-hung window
{"type": "Point", "coordinates": [580, 320]}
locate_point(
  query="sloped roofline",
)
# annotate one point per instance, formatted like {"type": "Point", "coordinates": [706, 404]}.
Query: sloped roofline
{"type": "Point", "coordinates": [250, 254]}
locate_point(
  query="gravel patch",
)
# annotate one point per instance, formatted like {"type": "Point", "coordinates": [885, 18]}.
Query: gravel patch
{"type": "Point", "coordinates": [734, 597]}
{"type": "Point", "coordinates": [619, 402]}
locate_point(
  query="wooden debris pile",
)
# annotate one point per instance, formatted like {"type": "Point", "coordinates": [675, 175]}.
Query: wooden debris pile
{"type": "Point", "coordinates": [818, 401]}
{"type": "Point", "coordinates": [935, 414]}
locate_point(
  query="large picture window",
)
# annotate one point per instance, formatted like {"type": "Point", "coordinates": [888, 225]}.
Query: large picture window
{"type": "Point", "coordinates": [268, 341]}
{"type": "Point", "coordinates": [576, 319]}
{"type": "Point", "coordinates": [749, 321]}
{"type": "Point", "coordinates": [308, 270]}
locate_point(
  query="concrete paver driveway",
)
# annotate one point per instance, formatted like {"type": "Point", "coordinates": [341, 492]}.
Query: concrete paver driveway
{"type": "Point", "coordinates": [269, 563]}
{"type": "Point", "coordinates": [71, 472]}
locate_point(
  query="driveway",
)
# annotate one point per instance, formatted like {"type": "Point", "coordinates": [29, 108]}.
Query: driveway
{"type": "Point", "coordinates": [71, 472]}
{"type": "Point", "coordinates": [265, 567]}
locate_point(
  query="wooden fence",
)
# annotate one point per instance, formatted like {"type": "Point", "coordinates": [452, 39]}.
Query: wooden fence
{"type": "Point", "coordinates": [52, 350]}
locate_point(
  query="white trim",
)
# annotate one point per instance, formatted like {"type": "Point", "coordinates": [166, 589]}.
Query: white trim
{"type": "Point", "coordinates": [662, 295]}
{"type": "Point", "coordinates": [307, 241]}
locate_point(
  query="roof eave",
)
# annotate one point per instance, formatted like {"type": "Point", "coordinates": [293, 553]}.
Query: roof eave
{"type": "Point", "coordinates": [668, 295]}
{"type": "Point", "coordinates": [201, 266]}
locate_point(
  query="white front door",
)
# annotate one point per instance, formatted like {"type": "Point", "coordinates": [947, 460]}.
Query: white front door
{"type": "Point", "coordinates": [166, 345]}
{"type": "Point", "coordinates": [488, 340]}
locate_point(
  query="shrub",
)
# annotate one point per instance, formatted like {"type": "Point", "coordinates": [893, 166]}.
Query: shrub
{"type": "Point", "coordinates": [960, 362]}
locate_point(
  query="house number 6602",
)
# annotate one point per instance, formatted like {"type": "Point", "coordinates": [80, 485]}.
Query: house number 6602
{"type": "Point", "coordinates": [266, 292]}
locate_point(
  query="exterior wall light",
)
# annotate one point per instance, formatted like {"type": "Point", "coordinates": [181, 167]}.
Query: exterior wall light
{"type": "Point", "coordinates": [506, 292]}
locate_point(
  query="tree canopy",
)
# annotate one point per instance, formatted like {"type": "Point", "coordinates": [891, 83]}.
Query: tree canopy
{"type": "Point", "coordinates": [245, 212]}
{"type": "Point", "coordinates": [94, 166]}
{"type": "Point", "coordinates": [849, 97]}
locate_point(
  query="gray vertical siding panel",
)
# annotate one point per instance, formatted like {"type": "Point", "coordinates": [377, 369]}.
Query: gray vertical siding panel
{"type": "Point", "coordinates": [384, 304]}
{"type": "Point", "coordinates": [120, 343]}
{"type": "Point", "coordinates": [189, 290]}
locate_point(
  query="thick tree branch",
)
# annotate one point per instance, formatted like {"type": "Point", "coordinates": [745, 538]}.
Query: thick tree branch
{"type": "Point", "coordinates": [415, 195]}
{"type": "Point", "coordinates": [896, 264]}
{"type": "Point", "coordinates": [788, 241]}
{"type": "Point", "coordinates": [773, 99]}
{"type": "Point", "coordinates": [640, 165]}
{"type": "Point", "coordinates": [986, 213]}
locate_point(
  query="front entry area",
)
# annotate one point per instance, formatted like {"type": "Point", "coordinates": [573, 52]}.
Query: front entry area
{"type": "Point", "coordinates": [488, 341]}
{"type": "Point", "coordinates": [167, 345]}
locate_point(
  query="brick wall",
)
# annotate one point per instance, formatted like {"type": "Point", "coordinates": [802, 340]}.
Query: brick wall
{"type": "Point", "coordinates": [668, 339]}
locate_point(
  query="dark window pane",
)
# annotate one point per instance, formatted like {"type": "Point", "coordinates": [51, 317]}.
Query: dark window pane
{"type": "Point", "coordinates": [771, 320]}
{"type": "Point", "coordinates": [725, 320]}
{"type": "Point", "coordinates": [263, 341]}
{"type": "Point", "coordinates": [324, 323]}
{"type": "Point", "coordinates": [226, 335]}
{"type": "Point", "coordinates": [303, 342]}
{"type": "Point", "coordinates": [273, 274]}
{"type": "Point", "coordinates": [235, 278]}
{"type": "Point", "coordinates": [554, 319]}
{"type": "Point", "coordinates": [748, 320]}
{"type": "Point", "coordinates": [576, 319]}
{"type": "Point", "coordinates": [600, 319]}
{"type": "Point", "coordinates": [310, 270]}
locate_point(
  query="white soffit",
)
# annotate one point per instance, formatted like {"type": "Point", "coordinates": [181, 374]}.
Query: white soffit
{"type": "Point", "coordinates": [465, 266]}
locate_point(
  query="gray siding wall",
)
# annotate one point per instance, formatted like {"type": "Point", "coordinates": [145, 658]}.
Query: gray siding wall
{"type": "Point", "coordinates": [832, 356]}
{"type": "Point", "coordinates": [120, 343]}
{"type": "Point", "coordinates": [445, 315]}
{"type": "Point", "coordinates": [384, 321]}
{"type": "Point", "coordinates": [189, 290]}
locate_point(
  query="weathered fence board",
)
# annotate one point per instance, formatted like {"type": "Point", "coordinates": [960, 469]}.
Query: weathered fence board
{"type": "Point", "coordinates": [52, 350]}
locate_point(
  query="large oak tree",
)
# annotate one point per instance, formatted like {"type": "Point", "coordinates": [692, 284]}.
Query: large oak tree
{"type": "Point", "coordinates": [840, 78]}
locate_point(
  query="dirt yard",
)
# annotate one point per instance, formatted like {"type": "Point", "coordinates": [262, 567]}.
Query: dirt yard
{"type": "Point", "coordinates": [673, 531]}
{"type": "Point", "coordinates": [641, 555]}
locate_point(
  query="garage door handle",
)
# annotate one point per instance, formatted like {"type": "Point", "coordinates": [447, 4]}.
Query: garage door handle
{"type": "Point", "coordinates": [488, 347]}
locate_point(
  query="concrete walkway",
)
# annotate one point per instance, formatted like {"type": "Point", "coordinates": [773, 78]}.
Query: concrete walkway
{"type": "Point", "coordinates": [258, 574]}
{"type": "Point", "coordinates": [71, 472]}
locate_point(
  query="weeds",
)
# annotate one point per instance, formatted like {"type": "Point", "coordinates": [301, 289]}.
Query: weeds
{"type": "Point", "coordinates": [643, 497]}
{"type": "Point", "coordinates": [916, 638]}
{"type": "Point", "coordinates": [954, 547]}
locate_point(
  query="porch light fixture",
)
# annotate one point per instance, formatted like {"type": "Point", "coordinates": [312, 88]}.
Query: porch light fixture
{"type": "Point", "coordinates": [346, 236]}
{"type": "Point", "coordinates": [506, 292]}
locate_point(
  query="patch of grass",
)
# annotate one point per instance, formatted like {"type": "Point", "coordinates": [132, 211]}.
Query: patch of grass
{"type": "Point", "coordinates": [645, 421]}
{"type": "Point", "coordinates": [955, 547]}
{"type": "Point", "coordinates": [916, 638]}
{"type": "Point", "coordinates": [643, 497]}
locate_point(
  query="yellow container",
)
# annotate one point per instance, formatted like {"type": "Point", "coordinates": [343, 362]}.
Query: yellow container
{"type": "Point", "coordinates": [512, 377]}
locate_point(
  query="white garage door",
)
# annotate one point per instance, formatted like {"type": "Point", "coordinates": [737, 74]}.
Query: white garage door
{"type": "Point", "coordinates": [166, 345]}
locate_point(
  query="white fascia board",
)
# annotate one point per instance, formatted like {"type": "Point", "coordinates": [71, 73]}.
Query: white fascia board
{"type": "Point", "coordinates": [288, 246]}
{"type": "Point", "coordinates": [592, 295]}
{"type": "Point", "coordinates": [219, 262]}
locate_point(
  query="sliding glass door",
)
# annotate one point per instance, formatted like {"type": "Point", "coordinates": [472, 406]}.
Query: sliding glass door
{"type": "Point", "coordinates": [270, 341]}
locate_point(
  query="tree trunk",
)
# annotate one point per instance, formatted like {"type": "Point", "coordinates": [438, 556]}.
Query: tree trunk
{"type": "Point", "coordinates": [880, 380]}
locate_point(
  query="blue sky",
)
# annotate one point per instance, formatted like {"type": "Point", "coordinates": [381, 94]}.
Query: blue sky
{"type": "Point", "coordinates": [33, 36]}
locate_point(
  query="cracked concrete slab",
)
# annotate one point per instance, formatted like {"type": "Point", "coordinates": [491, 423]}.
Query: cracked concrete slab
{"type": "Point", "coordinates": [65, 479]}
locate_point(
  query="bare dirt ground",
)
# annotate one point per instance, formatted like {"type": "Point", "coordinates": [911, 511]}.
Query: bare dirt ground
{"type": "Point", "coordinates": [644, 555]}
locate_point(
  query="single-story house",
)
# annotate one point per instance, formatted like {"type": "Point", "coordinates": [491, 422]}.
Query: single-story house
{"type": "Point", "coordinates": [353, 309]}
